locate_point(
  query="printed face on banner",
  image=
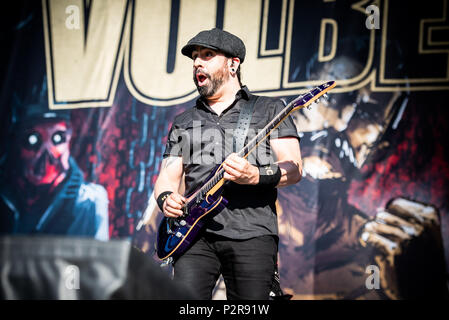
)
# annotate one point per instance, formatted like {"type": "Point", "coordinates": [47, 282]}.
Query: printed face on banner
{"type": "Point", "coordinates": [341, 133]}
{"type": "Point", "coordinates": [44, 152]}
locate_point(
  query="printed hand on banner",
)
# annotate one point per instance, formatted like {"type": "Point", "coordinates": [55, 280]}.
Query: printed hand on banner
{"type": "Point", "coordinates": [406, 237]}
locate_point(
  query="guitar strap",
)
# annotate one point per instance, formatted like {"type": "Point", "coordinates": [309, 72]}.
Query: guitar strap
{"type": "Point", "coordinates": [241, 130]}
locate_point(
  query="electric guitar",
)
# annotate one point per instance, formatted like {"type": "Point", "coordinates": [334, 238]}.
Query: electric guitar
{"type": "Point", "coordinates": [176, 234]}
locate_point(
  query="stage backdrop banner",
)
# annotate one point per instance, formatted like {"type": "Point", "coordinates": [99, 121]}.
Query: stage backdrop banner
{"type": "Point", "coordinates": [90, 90]}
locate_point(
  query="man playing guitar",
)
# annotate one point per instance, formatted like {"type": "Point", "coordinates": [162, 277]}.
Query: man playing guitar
{"type": "Point", "coordinates": [240, 241]}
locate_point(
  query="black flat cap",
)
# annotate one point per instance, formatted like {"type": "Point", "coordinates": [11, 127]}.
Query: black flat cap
{"type": "Point", "coordinates": [217, 39]}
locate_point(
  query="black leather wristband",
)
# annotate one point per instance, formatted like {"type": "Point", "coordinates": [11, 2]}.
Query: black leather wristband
{"type": "Point", "coordinates": [162, 197]}
{"type": "Point", "coordinates": [269, 175]}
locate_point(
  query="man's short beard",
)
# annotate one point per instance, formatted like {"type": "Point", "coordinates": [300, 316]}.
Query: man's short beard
{"type": "Point", "coordinates": [216, 81]}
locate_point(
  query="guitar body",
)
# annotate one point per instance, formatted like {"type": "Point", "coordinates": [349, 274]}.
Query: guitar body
{"type": "Point", "coordinates": [175, 235]}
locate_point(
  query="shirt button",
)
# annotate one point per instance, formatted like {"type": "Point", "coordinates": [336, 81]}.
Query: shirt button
{"type": "Point", "coordinates": [218, 123]}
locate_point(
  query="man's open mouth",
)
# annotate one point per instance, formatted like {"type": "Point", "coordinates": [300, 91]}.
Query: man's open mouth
{"type": "Point", "coordinates": [201, 78]}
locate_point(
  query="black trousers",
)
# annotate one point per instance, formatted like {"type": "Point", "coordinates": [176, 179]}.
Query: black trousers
{"type": "Point", "coordinates": [247, 266]}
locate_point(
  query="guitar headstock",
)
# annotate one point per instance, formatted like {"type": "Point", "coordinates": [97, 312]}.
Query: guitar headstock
{"type": "Point", "coordinates": [313, 95]}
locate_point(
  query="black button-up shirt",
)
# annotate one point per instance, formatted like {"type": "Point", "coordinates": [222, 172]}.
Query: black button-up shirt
{"type": "Point", "coordinates": [204, 140]}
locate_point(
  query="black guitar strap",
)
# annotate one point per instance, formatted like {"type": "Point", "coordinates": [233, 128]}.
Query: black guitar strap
{"type": "Point", "coordinates": [241, 130]}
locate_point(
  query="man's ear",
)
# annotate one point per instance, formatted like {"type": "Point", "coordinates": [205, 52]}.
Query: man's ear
{"type": "Point", "coordinates": [234, 64]}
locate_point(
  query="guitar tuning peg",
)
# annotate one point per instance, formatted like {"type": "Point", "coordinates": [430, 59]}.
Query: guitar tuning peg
{"type": "Point", "coordinates": [317, 100]}
{"type": "Point", "coordinates": [326, 96]}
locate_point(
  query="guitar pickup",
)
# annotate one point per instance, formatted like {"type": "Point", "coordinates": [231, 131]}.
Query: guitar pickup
{"type": "Point", "coordinates": [179, 223]}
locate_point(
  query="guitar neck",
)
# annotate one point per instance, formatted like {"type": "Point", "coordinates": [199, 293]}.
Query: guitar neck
{"type": "Point", "coordinates": [266, 131]}
{"type": "Point", "coordinates": [247, 149]}
{"type": "Point", "coordinates": [298, 103]}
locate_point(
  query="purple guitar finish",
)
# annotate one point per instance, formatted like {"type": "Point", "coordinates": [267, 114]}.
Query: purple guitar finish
{"type": "Point", "coordinates": [175, 235]}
